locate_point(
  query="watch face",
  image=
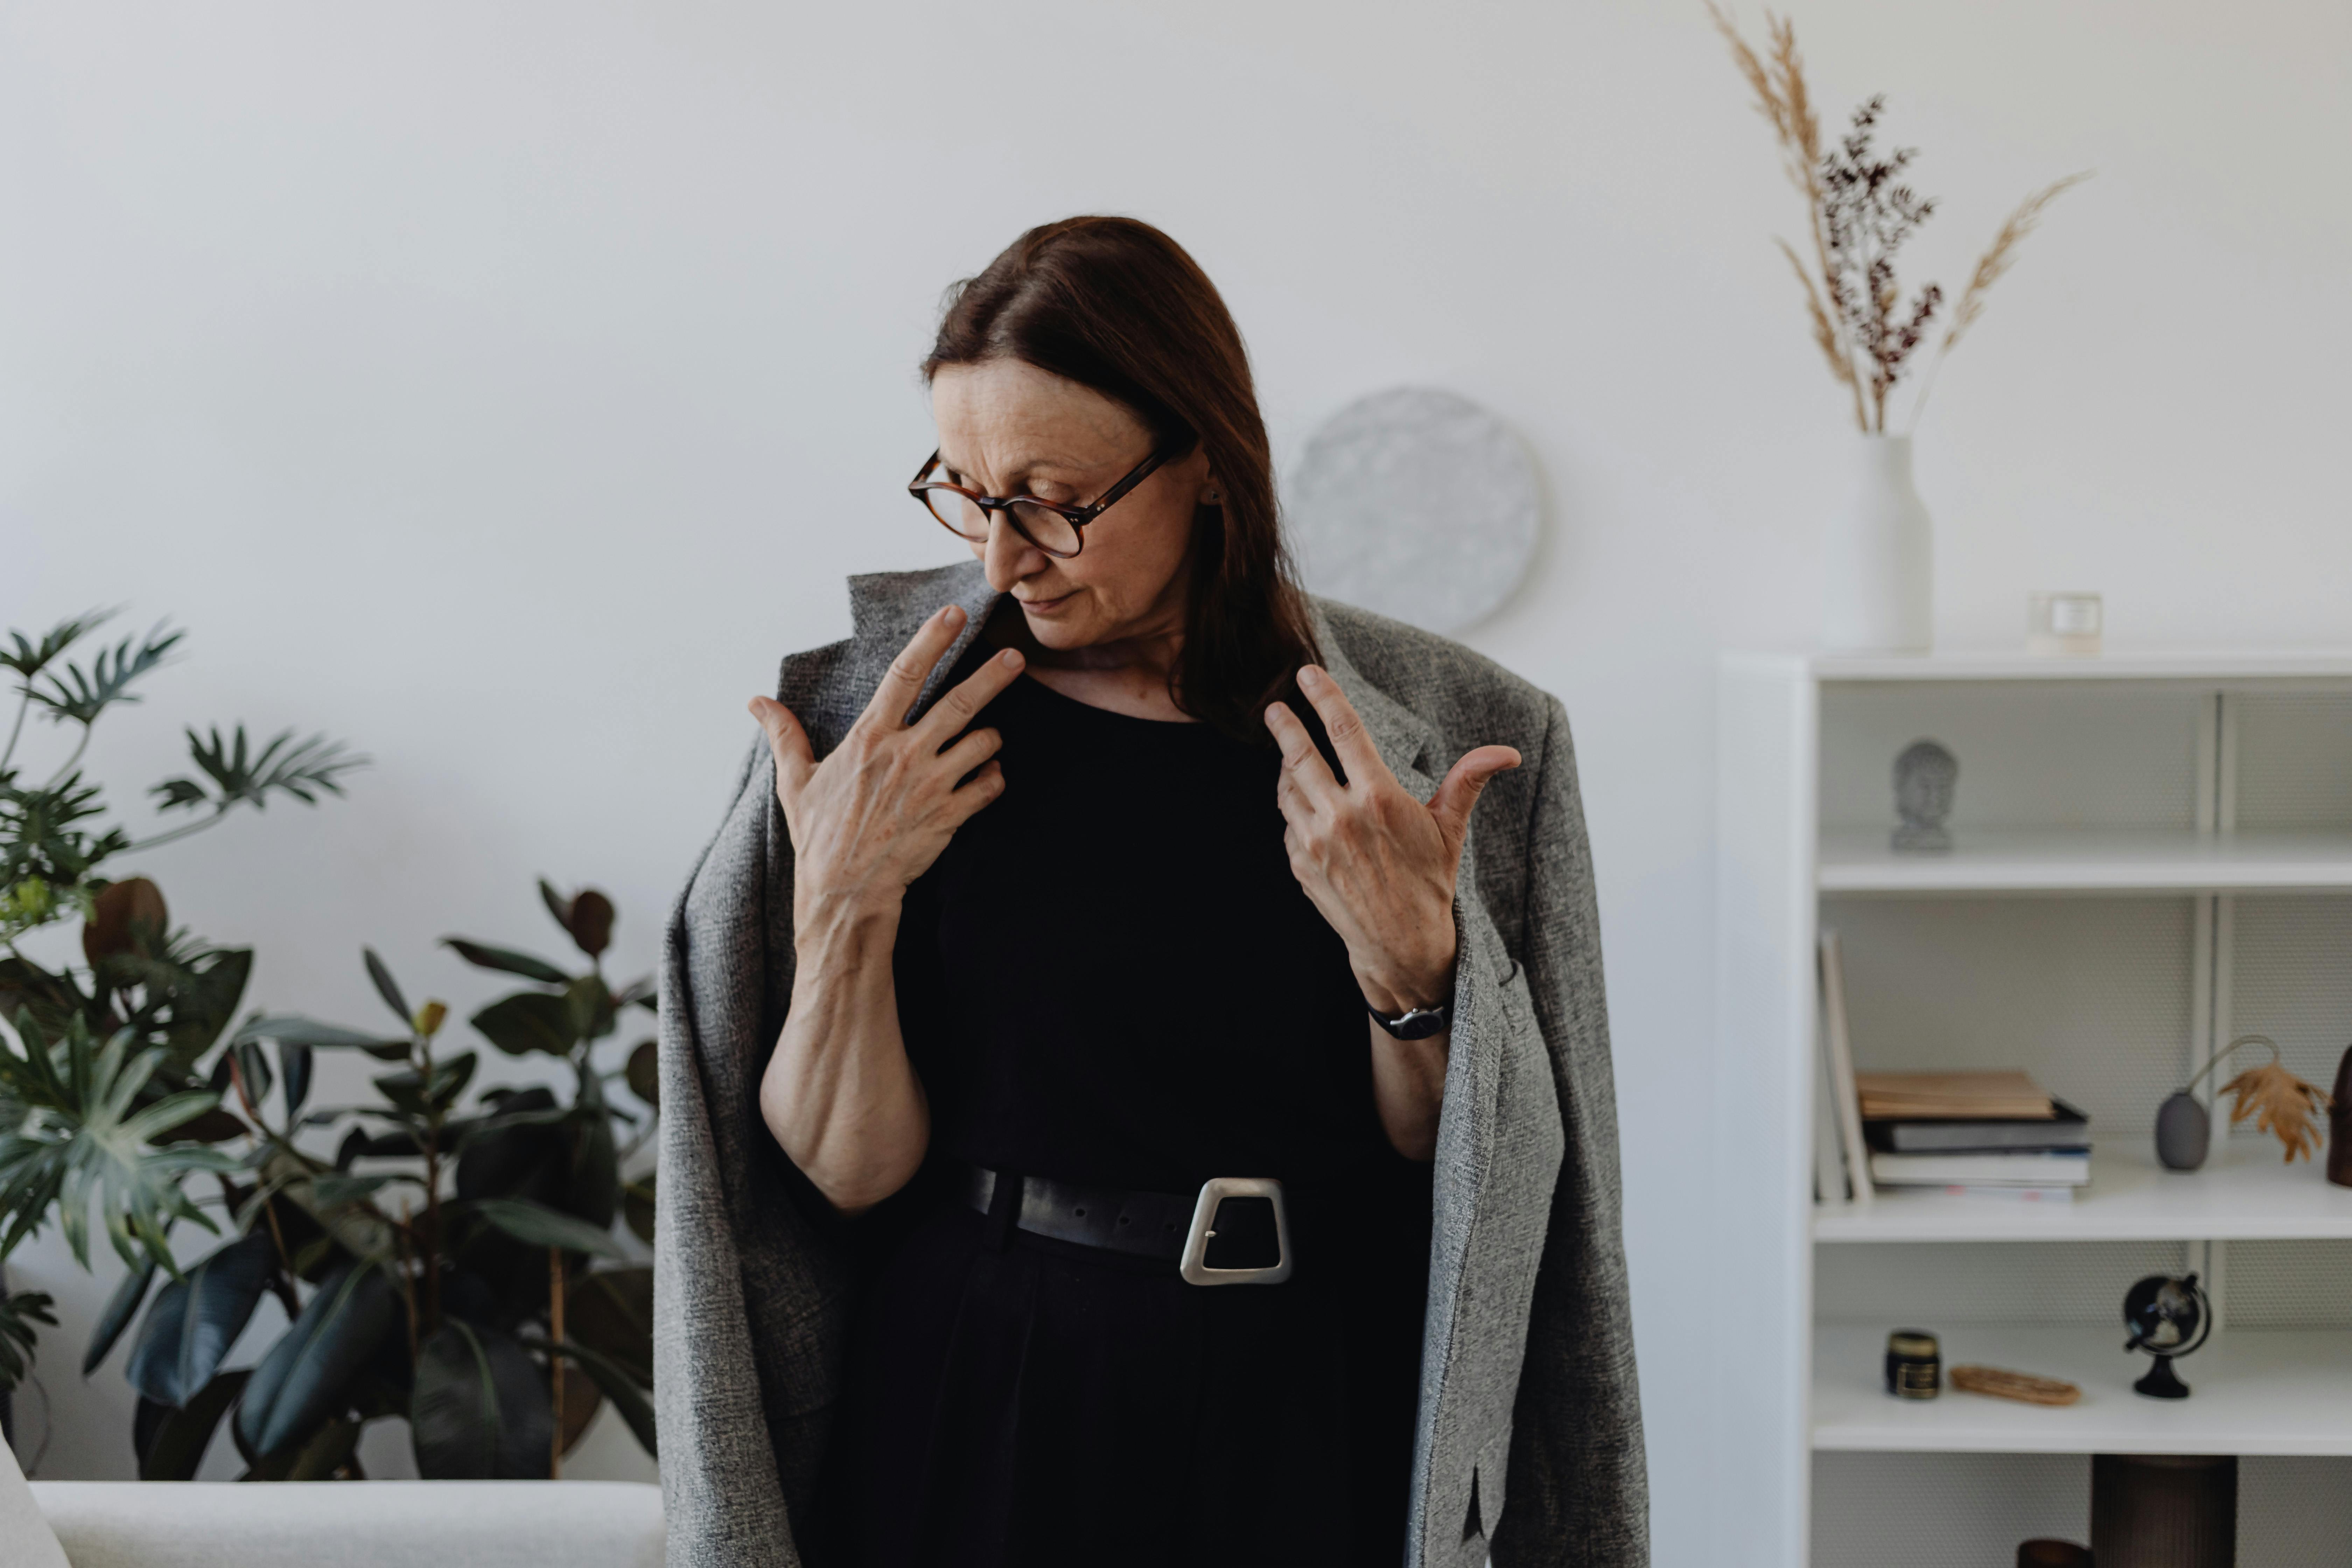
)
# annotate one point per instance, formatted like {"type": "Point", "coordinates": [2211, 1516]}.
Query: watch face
{"type": "Point", "coordinates": [1418, 1023]}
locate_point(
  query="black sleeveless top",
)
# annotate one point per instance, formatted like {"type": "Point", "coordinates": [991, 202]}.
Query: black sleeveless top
{"type": "Point", "coordinates": [1111, 976]}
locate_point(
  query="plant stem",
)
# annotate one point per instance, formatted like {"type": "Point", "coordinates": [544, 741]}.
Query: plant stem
{"type": "Point", "coordinates": [408, 1279]}
{"type": "Point", "coordinates": [177, 833]}
{"type": "Point", "coordinates": [66, 769]}
{"type": "Point", "coordinates": [431, 1250]}
{"type": "Point", "coordinates": [554, 1359]}
{"type": "Point", "coordinates": [24, 706]}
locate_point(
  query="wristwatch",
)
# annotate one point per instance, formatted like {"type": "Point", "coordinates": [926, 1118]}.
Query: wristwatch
{"type": "Point", "coordinates": [1415, 1023]}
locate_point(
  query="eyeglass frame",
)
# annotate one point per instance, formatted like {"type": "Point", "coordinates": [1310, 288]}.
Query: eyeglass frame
{"type": "Point", "coordinates": [1077, 517]}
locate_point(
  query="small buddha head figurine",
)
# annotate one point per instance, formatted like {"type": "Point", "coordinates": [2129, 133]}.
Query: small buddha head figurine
{"type": "Point", "coordinates": [1924, 777]}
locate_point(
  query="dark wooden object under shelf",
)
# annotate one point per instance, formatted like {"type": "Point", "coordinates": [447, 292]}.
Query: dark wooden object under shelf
{"type": "Point", "coordinates": [2339, 1125]}
{"type": "Point", "coordinates": [2164, 1510]}
{"type": "Point", "coordinates": [2052, 1554]}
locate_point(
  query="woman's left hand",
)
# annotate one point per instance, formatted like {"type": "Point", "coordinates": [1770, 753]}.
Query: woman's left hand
{"type": "Point", "coordinates": [1377, 863]}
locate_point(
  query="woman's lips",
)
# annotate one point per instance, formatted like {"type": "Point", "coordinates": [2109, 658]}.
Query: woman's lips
{"type": "Point", "coordinates": [1046, 606]}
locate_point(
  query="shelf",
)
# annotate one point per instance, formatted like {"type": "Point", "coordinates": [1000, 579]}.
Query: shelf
{"type": "Point", "coordinates": [2255, 1391]}
{"type": "Point", "coordinates": [2088, 860]}
{"type": "Point", "coordinates": [2245, 1192]}
{"type": "Point", "coordinates": [2200, 665]}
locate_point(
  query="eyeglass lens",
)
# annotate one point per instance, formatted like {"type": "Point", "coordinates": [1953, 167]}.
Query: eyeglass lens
{"type": "Point", "coordinates": [1046, 528]}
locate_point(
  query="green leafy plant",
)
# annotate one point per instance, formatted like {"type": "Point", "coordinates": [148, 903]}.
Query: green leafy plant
{"type": "Point", "coordinates": [451, 1264]}
{"type": "Point", "coordinates": [101, 1098]}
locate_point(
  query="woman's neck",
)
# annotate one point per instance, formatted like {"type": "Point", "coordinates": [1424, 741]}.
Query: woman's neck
{"type": "Point", "coordinates": [1127, 675]}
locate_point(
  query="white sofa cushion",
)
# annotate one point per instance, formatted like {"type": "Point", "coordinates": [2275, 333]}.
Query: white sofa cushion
{"type": "Point", "coordinates": [353, 1524]}
{"type": "Point", "coordinates": [25, 1539]}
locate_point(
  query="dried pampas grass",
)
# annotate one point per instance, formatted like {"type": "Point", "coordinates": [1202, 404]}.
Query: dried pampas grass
{"type": "Point", "coordinates": [1858, 216]}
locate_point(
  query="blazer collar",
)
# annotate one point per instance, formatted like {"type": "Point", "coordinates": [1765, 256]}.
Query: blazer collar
{"type": "Point", "coordinates": [1408, 743]}
{"type": "Point", "coordinates": [886, 609]}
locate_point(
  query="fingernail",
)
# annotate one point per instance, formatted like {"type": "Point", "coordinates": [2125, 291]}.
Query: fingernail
{"type": "Point", "coordinates": [953, 613]}
{"type": "Point", "coordinates": [1011, 658]}
{"type": "Point", "coordinates": [1308, 674]}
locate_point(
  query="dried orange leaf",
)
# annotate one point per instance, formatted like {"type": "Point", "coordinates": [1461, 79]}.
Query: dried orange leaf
{"type": "Point", "coordinates": [2280, 1104]}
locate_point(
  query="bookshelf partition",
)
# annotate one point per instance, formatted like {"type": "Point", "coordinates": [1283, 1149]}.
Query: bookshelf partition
{"type": "Point", "coordinates": [2152, 854]}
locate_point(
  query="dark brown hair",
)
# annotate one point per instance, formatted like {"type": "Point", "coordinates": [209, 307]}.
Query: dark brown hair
{"type": "Point", "coordinates": [1116, 305]}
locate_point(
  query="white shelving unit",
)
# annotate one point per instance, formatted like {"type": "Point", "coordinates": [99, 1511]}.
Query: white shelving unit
{"type": "Point", "coordinates": [2153, 852]}
{"type": "Point", "coordinates": [2243, 1193]}
{"type": "Point", "coordinates": [2256, 1391]}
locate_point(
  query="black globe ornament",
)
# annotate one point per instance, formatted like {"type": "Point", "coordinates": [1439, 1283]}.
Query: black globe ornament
{"type": "Point", "coordinates": [2168, 1318]}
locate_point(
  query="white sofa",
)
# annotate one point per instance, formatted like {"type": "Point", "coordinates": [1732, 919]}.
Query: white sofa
{"type": "Point", "coordinates": [327, 1524]}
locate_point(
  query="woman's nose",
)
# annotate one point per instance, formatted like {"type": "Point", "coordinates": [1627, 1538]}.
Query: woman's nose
{"type": "Point", "coordinates": [1007, 557]}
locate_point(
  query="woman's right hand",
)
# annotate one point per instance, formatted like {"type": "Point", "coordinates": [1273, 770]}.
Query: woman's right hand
{"type": "Point", "coordinates": [871, 817]}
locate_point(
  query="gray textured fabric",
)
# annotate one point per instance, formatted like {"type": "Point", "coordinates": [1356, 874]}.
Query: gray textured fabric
{"type": "Point", "coordinates": [1529, 1441]}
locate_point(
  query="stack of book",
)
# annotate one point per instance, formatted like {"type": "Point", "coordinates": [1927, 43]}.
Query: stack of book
{"type": "Point", "coordinates": [1993, 1133]}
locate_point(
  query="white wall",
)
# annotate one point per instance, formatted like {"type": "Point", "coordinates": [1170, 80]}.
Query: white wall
{"type": "Point", "coordinates": [506, 387]}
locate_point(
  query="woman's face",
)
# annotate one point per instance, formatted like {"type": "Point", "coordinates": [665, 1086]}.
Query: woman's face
{"type": "Point", "coordinates": [1007, 428]}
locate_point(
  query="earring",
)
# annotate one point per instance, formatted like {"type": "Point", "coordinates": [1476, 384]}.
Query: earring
{"type": "Point", "coordinates": [1214, 497]}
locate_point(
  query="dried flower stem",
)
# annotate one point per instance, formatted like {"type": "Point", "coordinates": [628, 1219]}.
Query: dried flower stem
{"type": "Point", "coordinates": [1990, 266]}
{"type": "Point", "coordinates": [1785, 101]}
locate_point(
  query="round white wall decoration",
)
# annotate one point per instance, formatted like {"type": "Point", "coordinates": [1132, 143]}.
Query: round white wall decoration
{"type": "Point", "coordinates": [1416, 503]}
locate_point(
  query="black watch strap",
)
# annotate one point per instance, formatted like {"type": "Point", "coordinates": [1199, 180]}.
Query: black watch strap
{"type": "Point", "coordinates": [1415, 1023]}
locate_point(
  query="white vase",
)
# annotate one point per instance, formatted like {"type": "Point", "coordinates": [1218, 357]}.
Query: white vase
{"type": "Point", "coordinates": [1878, 574]}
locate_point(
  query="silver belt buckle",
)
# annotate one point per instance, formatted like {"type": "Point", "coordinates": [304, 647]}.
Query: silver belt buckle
{"type": "Point", "coordinates": [1214, 1191]}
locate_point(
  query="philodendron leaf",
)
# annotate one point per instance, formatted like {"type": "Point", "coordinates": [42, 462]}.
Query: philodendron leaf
{"type": "Point", "coordinates": [197, 1317]}
{"type": "Point", "coordinates": [480, 1410]}
{"type": "Point", "coordinates": [529, 1021]}
{"type": "Point", "coordinates": [543, 1227]}
{"type": "Point", "coordinates": [121, 1308]}
{"type": "Point", "coordinates": [303, 1379]}
{"type": "Point", "coordinates": [506, 960]}
{"type": "Point", "coordinates": [181, 1436]}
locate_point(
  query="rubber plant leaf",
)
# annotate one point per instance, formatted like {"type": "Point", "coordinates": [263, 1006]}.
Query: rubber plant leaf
{"type": "Point", "coordinates": [302, 1380]}
{"type": "Point", "coordinates": [385, 986]}
{"type": "Point", "coordinates": [506, 960]}
{"type": "Point", "coordinates": [479, 1410]}
{"type": "Point", "coordinates": [543, 1227]}
{"type": "Point", "coordinates": [196, 1318]}
{"type": "Point", "coordinates": [177, 1445]}
{"type": "Point", "coordinates": [616, 1386]}
{"type": "Point", "coordinates": [529, 1021]}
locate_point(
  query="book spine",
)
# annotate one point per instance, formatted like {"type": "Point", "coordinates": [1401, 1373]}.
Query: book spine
{"type": "Point", "coordinates": [1849, 1102]}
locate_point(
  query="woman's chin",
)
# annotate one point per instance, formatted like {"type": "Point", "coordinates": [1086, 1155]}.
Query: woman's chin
{"type": "Point", "coordinates": [1055, 626]}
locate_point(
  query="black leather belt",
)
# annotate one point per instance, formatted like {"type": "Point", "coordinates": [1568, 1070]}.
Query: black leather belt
{"type": "Point", "coordinates": [1234, 1231]}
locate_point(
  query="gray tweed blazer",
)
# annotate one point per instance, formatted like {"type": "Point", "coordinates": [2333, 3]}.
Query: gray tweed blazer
{"type": "Point", "coordinates": [1529, 1442]}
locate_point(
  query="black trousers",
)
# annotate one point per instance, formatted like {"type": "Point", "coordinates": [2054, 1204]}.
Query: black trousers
{"type": "Point", "coordinates": [1039, 1403]}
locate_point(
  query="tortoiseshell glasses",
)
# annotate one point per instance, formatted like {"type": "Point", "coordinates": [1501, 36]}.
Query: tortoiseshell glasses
{"type": "Point", "coordinates": [1058, 531]}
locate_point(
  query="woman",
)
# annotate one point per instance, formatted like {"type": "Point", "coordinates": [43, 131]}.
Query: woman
{"type": "Point", "coordinates": [1075, 886]}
